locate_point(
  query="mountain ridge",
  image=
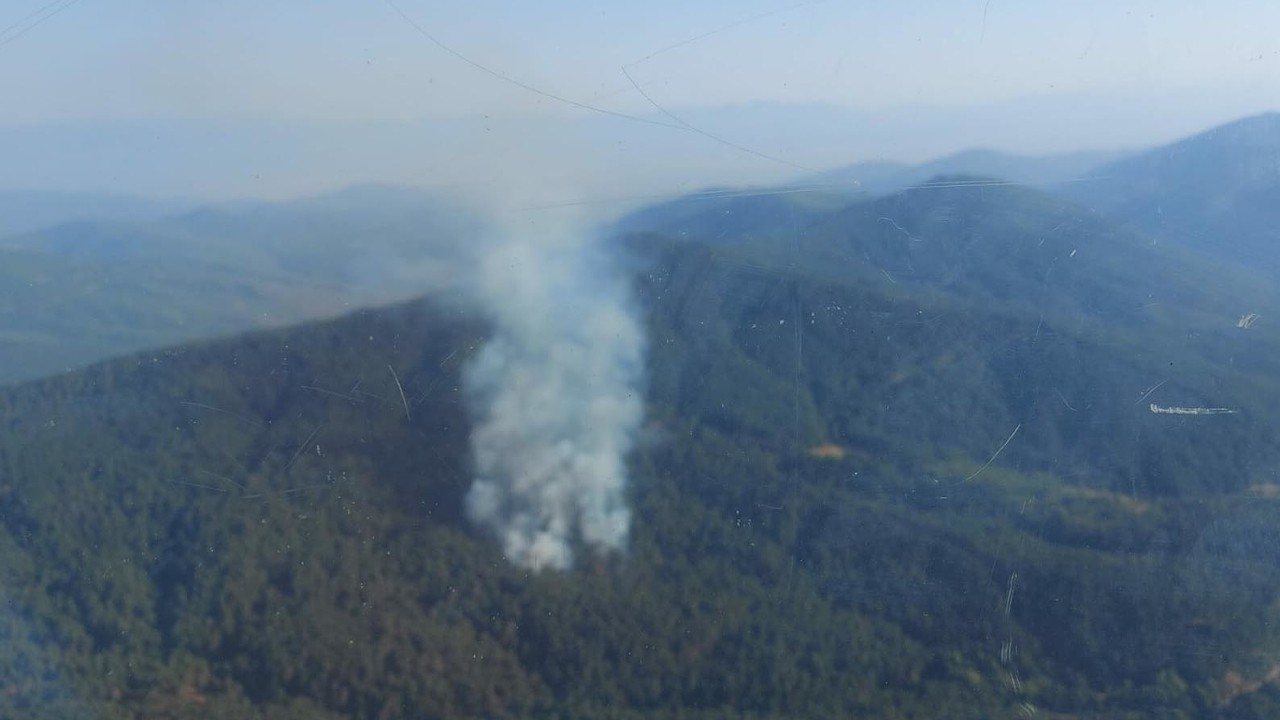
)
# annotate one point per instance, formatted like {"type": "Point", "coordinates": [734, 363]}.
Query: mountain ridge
{"type": "Point", "coordinates": [1212, 192]}
{"type": "Point", "coordinates": [23, 211]}
{"type": "Point", "coordinates": [879, 178]}
{"type": "Point", "coordinates": [81, 290]}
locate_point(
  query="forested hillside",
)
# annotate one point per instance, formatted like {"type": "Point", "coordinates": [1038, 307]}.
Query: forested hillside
{"type": "Point", "coordinates": [901, 468]}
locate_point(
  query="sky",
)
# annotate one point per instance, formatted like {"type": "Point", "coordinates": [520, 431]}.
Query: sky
{"type": "Point", "coordinates": [764, 85]}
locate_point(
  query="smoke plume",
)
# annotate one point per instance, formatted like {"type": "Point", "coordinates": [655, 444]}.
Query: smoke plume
{"type": "Point", "coordinates": [555, 397]}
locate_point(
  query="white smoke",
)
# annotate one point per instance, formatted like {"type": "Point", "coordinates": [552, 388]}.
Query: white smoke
{"type": "Point", "coordinates": [555, 397]}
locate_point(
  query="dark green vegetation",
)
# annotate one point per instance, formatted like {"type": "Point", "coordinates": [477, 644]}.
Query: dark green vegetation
{"type": "Point", "coordinates": [900, 462]}
{"type": "Point", "coordinates": [85, 290]}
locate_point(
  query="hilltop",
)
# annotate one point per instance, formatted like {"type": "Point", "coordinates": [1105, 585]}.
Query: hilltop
{"type": "Point", "coordinates": [1214, 192]}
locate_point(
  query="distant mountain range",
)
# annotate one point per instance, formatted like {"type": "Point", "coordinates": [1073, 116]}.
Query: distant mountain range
{"type": "Point", "coordinates": [1217, 192]}
{"type": "Point", "coordinates": [87, 276]}
{"type": "Point", "coordinates": [1214, 193]}
{"type": "Point", "coordinates": [879, 178]}
{"type": "Point", "coordinates": [29, 210]}
{"type": "Point", "coordinates": [87, 289]}
{"type": "Point", "coordinates": [745, 208]}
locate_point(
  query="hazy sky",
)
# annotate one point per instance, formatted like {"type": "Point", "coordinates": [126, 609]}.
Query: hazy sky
{"type": "Point", "coordinates": [359, 59]}
{"type": "Point", "coordinates": [355, 61]}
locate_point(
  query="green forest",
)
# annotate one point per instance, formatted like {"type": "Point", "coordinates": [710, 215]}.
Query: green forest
{"type": "Point", "coordinates": [899, 461]}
